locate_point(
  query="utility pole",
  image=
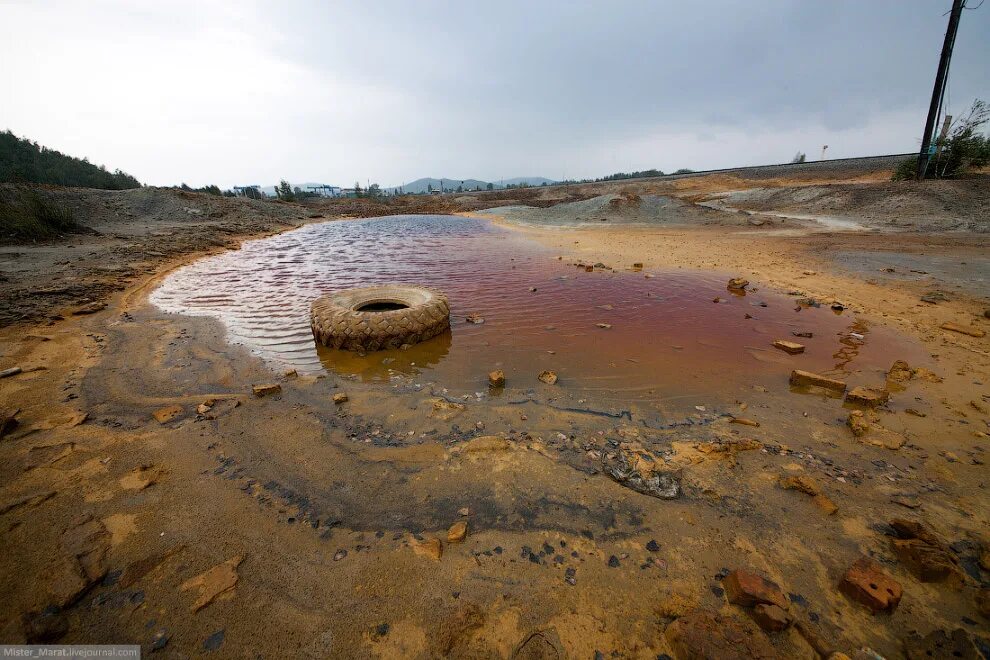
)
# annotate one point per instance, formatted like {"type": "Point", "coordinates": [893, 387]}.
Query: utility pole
{"type": "Point", "coordinates": [939, 90]}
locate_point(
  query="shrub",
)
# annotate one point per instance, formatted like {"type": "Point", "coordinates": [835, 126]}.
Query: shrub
{"type": "Point", "coordinates": [26, 216]}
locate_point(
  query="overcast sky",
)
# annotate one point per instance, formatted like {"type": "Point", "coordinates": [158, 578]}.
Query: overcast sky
{"type": "Point", "coordinates": [232, 93]}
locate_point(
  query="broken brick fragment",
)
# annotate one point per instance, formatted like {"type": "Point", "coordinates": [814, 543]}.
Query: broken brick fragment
{"type": "Point", "coordinates": [865, 582]}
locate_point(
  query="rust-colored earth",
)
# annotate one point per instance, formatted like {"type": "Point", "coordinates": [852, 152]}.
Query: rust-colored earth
{"type": "Point", "coordinates": [149, 496]}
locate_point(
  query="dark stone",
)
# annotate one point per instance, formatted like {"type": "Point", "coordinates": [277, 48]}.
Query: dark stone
{"type": "Point", "coordinates": [214, 641]}
{"type": "Point", "coordinates": [159, 641]}
{"type": "Point", "coordinates": [613, 562]}
{"type": "Point", "coordinates": [653, 546]}
{"type": "Point", "coordinates": [46, 627]}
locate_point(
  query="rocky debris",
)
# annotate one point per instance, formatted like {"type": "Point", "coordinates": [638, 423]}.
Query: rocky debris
{"type": "Point", "coordinates": [924, 553]}
{"type": "Point", "coordinates": [457, 532]}
{"type": "Point", "coordinates": [548, 377]}
{"type": "Point", "coordinates": [807, 379]}
{"type": "Point", "coordinates": [866, 583]}
{"type": "Point", "coordinates": [428, 547]}
{"type": "Point", "coordinates": [749, 589]}
{"type": "Point", "coordinates": [941, 644]}
{"type": "Point", "coordinates": [604, 326]}
{"type": "Point", "coordinates": [12, 371]}
{"type": "Point", "coordinates": [771, 618]}
{"type": "Point", "coordinates": [445, 410]}
{"type": "Point", "coordinates": [866, 427]}
{"type": "Point", "coordinates": [140, 478]}
{"type": "Point", "coordinates": [496, 379]}
{"type": "Point", "coordinates": [90, 308]}
{"type": "Point", "coordinates": [643, 479]}
{"type": "Point", "coordinates": [866, 396]}
{"type": "Point", "coordinates": [340, 397]}
{"type": "Point", "coordinates": [790, 347]}
{"type": "Point", "coordinates": [701, 634]}
{"type": "Point", "coordinates": [220, 408]}
{"type": "Point", "coordinates": [737, 283]}
{"type": "Point", "coordinates": [340, 554]}
{"type": "Point", "coordinates": [744, 421]}
{"type": "Point", "coordinates": [8, 420]}
{"type": "Point", "coordinates": [900, 372]}
{"type": "Point", "coordinates": [963, 329]}
{"type": "Point", "coordinates": [266, 389]}
{"type": "Point", "coordinates": [924, 374]}
{"type": "Point", "coordinates": [464, 511]}
{"type": "Point", "coordinates": [138, 569]}
{"type": "Point", "coordinates": [86, 544]}
{"type": "Point", "coordinates": [484, 444]}
{"type": "Point", "coordinates": [638, 265]}
{"type": "Point", "coordinates": [803, 335]}
{"type": "Point", "coordinates": [935, 297]}
{"type": "Point", "coordinates": [205, 407]}
{"type": "Point", "coordinates": [214, 583]}
{"type": "Point", "coordinates": [809, 486]}
{"type": "Point", "coordinates": [167, 414]}
{"type": "Point", "coordinates": [477, 319]}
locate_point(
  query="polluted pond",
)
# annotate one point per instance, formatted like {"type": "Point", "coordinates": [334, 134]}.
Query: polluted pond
{"type": "Point", "coordinates": [615, 338]}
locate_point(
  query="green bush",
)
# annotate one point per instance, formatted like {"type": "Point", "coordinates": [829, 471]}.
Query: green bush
{"type": "Point", "coordinates": [965, 148]}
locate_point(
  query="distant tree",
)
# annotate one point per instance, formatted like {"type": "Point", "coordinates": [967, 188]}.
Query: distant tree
{"type": "Point", "coordinates": [460, 189]}
{"type": "Point", "coordinates": [799, 157]}
{"type": "Point", "coordinates": [429, 187]}
{"type": "Point", "coordinates": [374, 190]}
{"type": "Point", "coordinates": [357, 190]}
{"type": "Point", "coordinates": [645, 174]}
{"type": "Point", "coordinates": [684, 170]}
{"type": "Point", "coordinates": [284, 191]}
{"type": "Point", "coordinates": [22, 160]}
{"type": "Point", "coordinates": [490, 186]}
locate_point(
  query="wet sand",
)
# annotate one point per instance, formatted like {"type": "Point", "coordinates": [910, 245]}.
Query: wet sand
{"type": "Point", "coordinates": [308, 523]}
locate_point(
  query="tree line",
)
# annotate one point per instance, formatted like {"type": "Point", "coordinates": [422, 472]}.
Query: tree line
{"type": "Point", "coordinates": [24, 161]}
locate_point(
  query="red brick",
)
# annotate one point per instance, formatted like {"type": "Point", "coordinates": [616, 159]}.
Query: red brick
{"type": "Point", "coordinates": [867, 583]}
{"type": "Point", "coordinates": [748, 589]}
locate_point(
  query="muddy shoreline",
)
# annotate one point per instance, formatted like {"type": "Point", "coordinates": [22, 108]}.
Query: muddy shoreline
{"type": "Point", "coordinates": [312, 521]}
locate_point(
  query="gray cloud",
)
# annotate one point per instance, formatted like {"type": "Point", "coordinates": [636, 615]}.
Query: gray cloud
{"type": "Point", "coordinates": [393, 90]}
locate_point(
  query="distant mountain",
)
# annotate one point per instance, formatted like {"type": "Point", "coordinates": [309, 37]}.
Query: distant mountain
{"type": "Point", "coordinates": [428, 183]}
{"type": "Point", "coordinates": [270, 190]}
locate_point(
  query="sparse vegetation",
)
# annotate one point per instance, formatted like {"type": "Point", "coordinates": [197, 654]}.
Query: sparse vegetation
{"type": "Point", "coordinates": [24, 161]}
{"type": "Point", "coordinates": [799, 157]}
{"type": "Point", "coordinates": [964, 149]}
{"type": "Point", "coordinates": [26, 216]}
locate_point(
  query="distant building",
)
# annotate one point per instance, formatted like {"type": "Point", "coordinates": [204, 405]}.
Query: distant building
{"type": "Point", "coordinates": [326, 191]}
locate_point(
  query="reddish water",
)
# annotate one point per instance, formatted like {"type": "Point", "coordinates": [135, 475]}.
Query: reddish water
{"type": "Point", "coordinates": [669, 344]}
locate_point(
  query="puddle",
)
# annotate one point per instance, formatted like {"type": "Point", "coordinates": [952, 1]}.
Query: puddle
{"type": "Point", "coordinates": [669, 344]}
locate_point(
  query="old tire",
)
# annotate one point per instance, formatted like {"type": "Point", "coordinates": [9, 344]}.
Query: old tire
{"type": "Point", "coordinates": [342, 320]}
